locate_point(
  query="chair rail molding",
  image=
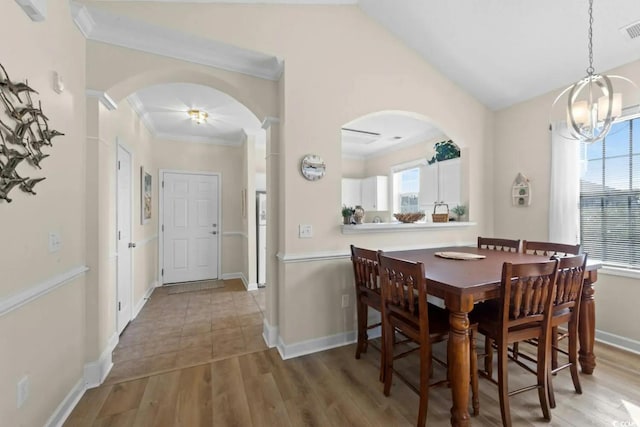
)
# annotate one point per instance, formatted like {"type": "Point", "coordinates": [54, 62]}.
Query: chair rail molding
{"type": "Point", "coordinates": [34, 292]}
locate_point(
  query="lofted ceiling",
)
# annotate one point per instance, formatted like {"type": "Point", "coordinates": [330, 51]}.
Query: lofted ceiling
{"type": "Point", "coordinates": [500, 51]}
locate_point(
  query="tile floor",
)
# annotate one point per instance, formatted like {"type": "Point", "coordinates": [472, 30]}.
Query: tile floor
{"type": "Point", "coordinates": [186, 329]}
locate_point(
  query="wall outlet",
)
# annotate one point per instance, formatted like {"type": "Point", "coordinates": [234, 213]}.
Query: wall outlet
{"type": "Point", "coordinates": [23, 391]}
{"type": "Point", "coordinates": [305, 231]}
{"type": "Point", "coordinates": [345, 300]}
{"type": "Point", "coordinates": [55, 241]}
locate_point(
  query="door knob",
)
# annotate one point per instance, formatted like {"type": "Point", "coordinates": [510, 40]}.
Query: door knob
{"type": "Point", "coordinates": [214, 232]}
{"type": "Point", "coordinates": [132, 245]}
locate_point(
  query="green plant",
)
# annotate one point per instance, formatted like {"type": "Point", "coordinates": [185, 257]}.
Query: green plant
{"type": "Point", "coordinates": [347, 210]}
{"type": "Point", "coordinates": [459, 210]}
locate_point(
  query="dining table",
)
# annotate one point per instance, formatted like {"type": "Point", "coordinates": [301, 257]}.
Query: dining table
{"type": "Point", "coordinates": [462, 283]}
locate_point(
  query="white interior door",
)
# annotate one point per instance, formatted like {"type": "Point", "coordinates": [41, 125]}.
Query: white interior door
{"type": "Point", "coordinates": [190, 227]}
{"type": "Point", "coordinates": [124, 261]}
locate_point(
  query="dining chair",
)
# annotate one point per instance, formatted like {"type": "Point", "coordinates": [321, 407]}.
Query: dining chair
{"type": "Point", "coordinates": [505, 245]}
{"type": "Point", "coordinates": [367, 287]}
{"type": "Point", "coordinates": [405, 309]}
{"type": "Point", "coordinates": [566, 310]}
{"type": "Point", "coordinates": [549, 248]}
{"type": "Point", "coordinates": [527, 293]}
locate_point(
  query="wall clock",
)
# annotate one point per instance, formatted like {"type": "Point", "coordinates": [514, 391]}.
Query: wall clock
{"type": "Point", "coordinates": [312, 167]}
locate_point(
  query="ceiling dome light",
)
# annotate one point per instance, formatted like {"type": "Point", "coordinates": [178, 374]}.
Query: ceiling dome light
{"type": "Point", "coordinates": [592, 103]}
{"type": "Point", "coordinates": [198, 116]}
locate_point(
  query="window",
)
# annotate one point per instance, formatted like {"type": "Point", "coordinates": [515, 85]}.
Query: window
{"type": "Point", "coordinates": [610, 197]}
{"type": "Point", "coordinates": [406, 184]}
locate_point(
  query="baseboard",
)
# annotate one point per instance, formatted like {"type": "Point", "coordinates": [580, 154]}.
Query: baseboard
{"type": "Point", "coordinates": [144, 299]}
{"type": "Point", "coordinates": [65, 407]}
{"type": "Point", "coordinates": [249, 287]}
{"type": "Point", "coordinates": [618, 341]}
{"type": "Point", "coordinates": [289, 351]}
{"type": "Point", "coordinates": [269, 334]}
{"type": "Point", "coordinates": [95, 372]}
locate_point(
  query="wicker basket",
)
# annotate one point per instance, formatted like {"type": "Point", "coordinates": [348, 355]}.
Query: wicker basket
{"type": "Point", "coordinates": [440, 217]}
{"type": "Point", "coordinates": [409, 217]}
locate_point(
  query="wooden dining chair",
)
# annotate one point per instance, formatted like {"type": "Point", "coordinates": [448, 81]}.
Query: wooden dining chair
{"type": "Point", "coordinates": [527, 293]}
{"type": "Point", "coordinates": [505, 245]}
{"type": "Point", "coordinates": [549, 248]}
{"type": "Point", "coordinates": [367, 287]}
{"type": "Point", "coordinates": [405, 309]}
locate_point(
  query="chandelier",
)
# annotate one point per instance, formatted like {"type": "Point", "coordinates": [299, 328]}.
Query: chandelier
{"type": "Point", "coordinates": [592, 104]}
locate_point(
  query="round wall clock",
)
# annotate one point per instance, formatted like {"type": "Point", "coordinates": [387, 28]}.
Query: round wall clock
{"type": "Point", "coordinates": [312, 167]}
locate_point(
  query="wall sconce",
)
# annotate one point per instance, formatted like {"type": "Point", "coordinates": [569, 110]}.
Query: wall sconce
{"type": "Point", "coordinates": [198, 116]}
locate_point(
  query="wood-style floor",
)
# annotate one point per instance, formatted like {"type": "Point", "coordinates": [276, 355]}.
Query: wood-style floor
{"type": "Point", "coordinates": [331, 388]}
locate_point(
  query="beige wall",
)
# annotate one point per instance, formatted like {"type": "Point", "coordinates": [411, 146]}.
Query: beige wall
{"type": "Point", "coordinates": [522, 144]}
{"type": "Point", "coordinates": [44, 339]}
{"type": "Point", "coordinates": [317, 98]}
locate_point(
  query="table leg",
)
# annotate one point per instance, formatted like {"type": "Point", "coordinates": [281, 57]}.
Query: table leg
{"type": "Point", "coordinates": [458, 357]}
{"type": "Point", "coordinates": [587, 324]}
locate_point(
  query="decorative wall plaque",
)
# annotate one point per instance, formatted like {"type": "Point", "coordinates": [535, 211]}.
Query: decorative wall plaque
{"type": "Point", "coordinates": [24, 133]}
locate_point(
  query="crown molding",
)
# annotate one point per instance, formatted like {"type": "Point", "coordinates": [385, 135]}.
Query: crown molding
{"type": "Point", "coordinates": [197, 139]}
{"type": "Point", "coordinates": [268, 121]}
{"type": "Point", "coordinates": [104, 99]}
{"type": "Point", "coordinates": [294, 2]}
{"type": "Point", "coordinates": [105, 27]}
{"type": "Point", "coordinates": [138, 108]}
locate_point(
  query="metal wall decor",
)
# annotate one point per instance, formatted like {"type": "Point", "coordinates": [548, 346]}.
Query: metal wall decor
{"type": "Point", "coordinates": [24, 133]}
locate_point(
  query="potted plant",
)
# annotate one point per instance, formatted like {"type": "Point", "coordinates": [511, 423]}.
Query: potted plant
{"type": "Point", "coordinates": [459, 211]}
{"type": "Point", "coordinates": [347, 213]}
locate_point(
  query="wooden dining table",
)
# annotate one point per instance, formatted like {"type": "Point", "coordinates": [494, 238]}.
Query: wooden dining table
{"type": "Point", "coordinates": [462, 283]}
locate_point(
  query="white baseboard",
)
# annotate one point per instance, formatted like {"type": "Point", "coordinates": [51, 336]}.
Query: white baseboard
{"type": "Point", "coordinates": [270, 334]}
{"type": "Point", "coordinates": [95, 372]}
{"type": "Point", "coordinates": [144, 299]}
{"type": "Point", "coordinates": [289, 351]}
{"type": "Point", "coordinates": [618, 341]}
{"type": "Point", "coordinates": [65, 407]}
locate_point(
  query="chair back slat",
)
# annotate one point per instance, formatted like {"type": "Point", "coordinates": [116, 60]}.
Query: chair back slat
{"type": "Point", "coordinates": [571, 272]}
{"type": "Point", "coordinates": [527, 292]}
{"type": "Point", "coordinates": [548, 248]}
{"type": "Point", "coordinates": [365, 269]}
{"type": "Point", "coordinates": [504, 245]}
{"type": "Point", "coordinates": [404, 290]}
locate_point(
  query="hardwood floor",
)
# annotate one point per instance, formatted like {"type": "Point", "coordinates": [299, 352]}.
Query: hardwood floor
{"type": "Point", "coordinates": [225, 376]}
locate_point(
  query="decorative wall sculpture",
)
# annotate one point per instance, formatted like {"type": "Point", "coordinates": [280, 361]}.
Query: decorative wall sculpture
{"type": "Point", "coordinates": [24, 133]}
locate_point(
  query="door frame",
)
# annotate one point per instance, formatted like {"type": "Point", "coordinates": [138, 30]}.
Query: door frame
{"type": "Point", "coordinates": [125, 147]}
{"type": "Point", "coordinates": [161, 173]}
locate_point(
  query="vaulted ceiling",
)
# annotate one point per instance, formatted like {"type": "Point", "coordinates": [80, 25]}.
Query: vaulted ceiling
{"type": "Point", "coordinates": [500, 51]}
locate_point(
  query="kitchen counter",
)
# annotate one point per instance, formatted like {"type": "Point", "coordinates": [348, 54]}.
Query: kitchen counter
{"type": "Point", "coordinates": [386, 227]}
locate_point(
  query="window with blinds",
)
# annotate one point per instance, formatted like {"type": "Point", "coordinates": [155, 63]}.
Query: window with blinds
{"type": "Point", "coordinates": [610, 197]}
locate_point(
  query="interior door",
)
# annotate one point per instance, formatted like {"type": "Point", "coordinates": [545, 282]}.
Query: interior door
{"type": "Point", "coordinates": [124, 308]}
{"type": "Point", "coordinates": [190, 227]}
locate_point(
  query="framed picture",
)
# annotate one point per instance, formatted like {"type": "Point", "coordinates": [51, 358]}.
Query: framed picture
{"type": "Point", "coordinates": [145, 196]}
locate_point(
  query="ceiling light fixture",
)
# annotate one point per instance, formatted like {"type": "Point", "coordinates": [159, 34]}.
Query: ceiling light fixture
{"type": "Point", "coordinates": [592, 104]}
{"type": "Point", "coordinates": [198, 116]}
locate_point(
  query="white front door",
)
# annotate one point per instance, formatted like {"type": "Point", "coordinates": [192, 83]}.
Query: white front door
{"type": "Point", "coordinates": [124, 310]}
{"type": "Point", "coordinates": [190, 227]}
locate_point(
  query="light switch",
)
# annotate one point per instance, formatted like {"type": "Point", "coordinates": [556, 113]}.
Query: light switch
{"type": "Point", "coordinates": [55, 241]}
{"type": "Point", "coordinates": [305, 231]}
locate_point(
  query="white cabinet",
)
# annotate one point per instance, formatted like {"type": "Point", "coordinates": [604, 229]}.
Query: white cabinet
{"type": "Point", "coordinates": [351, 191]}
{"type": "Point", "coordinates": [375, 193]}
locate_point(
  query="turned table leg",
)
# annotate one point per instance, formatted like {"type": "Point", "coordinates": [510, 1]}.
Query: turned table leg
{"type": "Point", "coordinates": [587, 324]}
{"type": "Point", "coordinates": [458, 357]}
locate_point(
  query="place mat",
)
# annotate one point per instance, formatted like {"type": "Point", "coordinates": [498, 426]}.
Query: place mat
{"type": "Point", "coordinates": [459, 255]}
{"type": "Point", "coordinates": [202, 285]}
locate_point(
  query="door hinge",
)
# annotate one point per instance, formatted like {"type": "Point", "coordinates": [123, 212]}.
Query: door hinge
{"type": "Point", "coordinates": [162, 184]}
{"type": "Point", "coordinates": [162, 272]}
{"type": "Point", "coordinates": [119, 306]}
{"type": "Point", "coordinates": [118, 164]}
{"type": "Point", "coordinates": [119, 235]}
{"type": "Point", "coordinates": [162, 227]}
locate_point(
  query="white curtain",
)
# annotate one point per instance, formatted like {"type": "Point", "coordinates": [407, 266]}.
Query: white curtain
{"type": "Point", "coordinates": [564, 191]}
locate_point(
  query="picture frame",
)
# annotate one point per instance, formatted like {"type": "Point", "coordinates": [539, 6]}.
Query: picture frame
{"type": "Point", "coordinates": [146, 201]}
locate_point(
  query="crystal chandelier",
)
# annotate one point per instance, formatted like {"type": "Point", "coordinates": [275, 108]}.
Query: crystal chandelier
{"type": "Point", "coordinates": [592, 104]}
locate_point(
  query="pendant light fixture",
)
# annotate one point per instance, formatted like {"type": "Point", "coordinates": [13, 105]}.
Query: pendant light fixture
{"type": "Point", "coordinates": [592, 104]}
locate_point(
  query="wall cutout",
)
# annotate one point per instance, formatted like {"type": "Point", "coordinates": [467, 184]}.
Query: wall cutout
{"type": "Point", "coordinates": [24, 133]}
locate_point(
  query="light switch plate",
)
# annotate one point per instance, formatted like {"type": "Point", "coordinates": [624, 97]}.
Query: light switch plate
{"type": "Point", "coordinates": [55, 241]}
{"type": "Point", "coordinates": [305, 231]}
